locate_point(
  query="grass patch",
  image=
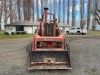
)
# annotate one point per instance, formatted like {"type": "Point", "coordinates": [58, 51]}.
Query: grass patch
{"type": "Point", "coordinates": [4, 36]}
{"type": "Point", "coordinates": [93, 33]}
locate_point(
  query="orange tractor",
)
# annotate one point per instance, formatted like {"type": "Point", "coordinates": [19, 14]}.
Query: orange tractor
{"type": "Point", "coordinates": [48, 49]}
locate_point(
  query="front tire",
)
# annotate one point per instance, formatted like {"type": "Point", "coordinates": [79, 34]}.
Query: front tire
{"type": "Point", "coordinates": [68, 47]}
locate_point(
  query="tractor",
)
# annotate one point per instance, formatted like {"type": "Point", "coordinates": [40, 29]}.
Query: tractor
{"type": "Point", "coordinates": [49, 49]}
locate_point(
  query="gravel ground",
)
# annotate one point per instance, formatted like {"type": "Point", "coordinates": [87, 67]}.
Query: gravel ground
{"type": "Point", "coordinates": [85, 57]}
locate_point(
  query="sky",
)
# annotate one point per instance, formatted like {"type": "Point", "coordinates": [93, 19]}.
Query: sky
{"type": "Point", "coordinates": [51, 3]}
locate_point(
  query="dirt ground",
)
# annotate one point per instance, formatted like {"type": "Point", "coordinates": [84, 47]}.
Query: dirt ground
{"type": "Point", "coordinates": [85, 57]}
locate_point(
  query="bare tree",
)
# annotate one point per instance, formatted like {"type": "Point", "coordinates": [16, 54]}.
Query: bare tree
{"type": "Point", "coordinates": [32, 9]}
{"type": "Point", "coordinates": [10, 10]}
{"type": "Point", "coordinates": [88, 16]}
{"type": "Point", "coordinates": [24, 9]}
{"type": "Point", "coordinates": [93, 20]}
{"type": "Point", "coordinates": [63, 11]}
{"type": "Point", "coordinates": [96, 17]}
{"type": "Point", "coordinates": [50, 8]}
{"type": "Point", "coordinates": [73, 13]}
{"type": "Point", "coordinates": [68, 11]}
{"type": "Point", "coordinates": [37, 10]}
{"type": "Point", "coordinates": [41, 6]}
{"type": "Point", "coordinates": [0, 11]}
{"type": "Point", "coordinates": [1, 6]}
{"type": "Point", "coordinates": [27, 11]}
{"type": "Point", "coordinates": [18, 9]}
{"type": "Point", "coordinates": [5, 10]}
{"type": "Point", "coordinates": [55, 7]}
{"type": "Point", "coordinates": [82, 13]}
{"type": "Point", "coordinates": [59, 11]}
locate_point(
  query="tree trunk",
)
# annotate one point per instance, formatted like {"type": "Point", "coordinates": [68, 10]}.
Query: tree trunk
{"type": "Point", "coordinates": [42, 7]}
{"type": "Point", "coordinates": [59, 11]}
{"type": "Point", "coordinates": [32, 10]}
{"type": "Point", "coordinates": [88, 16]}
{"type": "Point", "coordinates": [64, 11]}
{"type": "Point", "coordinates": [93, 24]}
{"type": "Point", "coordinates": [10, 9]}
{"type": "Point", "coordinates": [29, 10]}
{"type": "Point", "coordinates": [55, 7]}
{"type": "Point", "coordinates": [1, 10]}
{"type": "Point", "coordinates": [24, 10]}
{"type": "Point", "coordinates": [95, 16]}
{"type": "Point", "coordinates": [73, 13]}
{"type": "Point", "coordinates": [18, 9]}
{"type": "Point", "coordinates": [68, 12]}
{"type": "Point", "coordinates": [26, 4]}
{"type": "Point", "coordinates": [37, 10]}
{"type": "Point", "coordinates": [82, 14]}
{"type": "Point", "coordinates": [5, 11]}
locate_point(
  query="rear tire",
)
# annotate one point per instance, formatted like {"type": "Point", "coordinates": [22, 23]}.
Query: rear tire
{"type": "Point", "coordinates": [29, 47]}
{"type": "Point", "coordinates": [29, 54]}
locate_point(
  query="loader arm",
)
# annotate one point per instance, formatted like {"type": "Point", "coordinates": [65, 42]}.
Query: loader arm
{"type": "Point", "coordinates": [49, 49]}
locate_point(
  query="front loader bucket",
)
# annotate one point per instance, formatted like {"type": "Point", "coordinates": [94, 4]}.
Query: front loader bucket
{"type": "Point", "coordinates": [49, 60]}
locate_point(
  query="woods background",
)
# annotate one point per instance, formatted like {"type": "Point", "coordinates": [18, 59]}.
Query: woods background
{"type": "Point", "coordinates": [73, 12]}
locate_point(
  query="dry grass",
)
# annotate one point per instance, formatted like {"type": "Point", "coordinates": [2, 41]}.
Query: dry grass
{"type": "Point", "coordinates": [93, 33]}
